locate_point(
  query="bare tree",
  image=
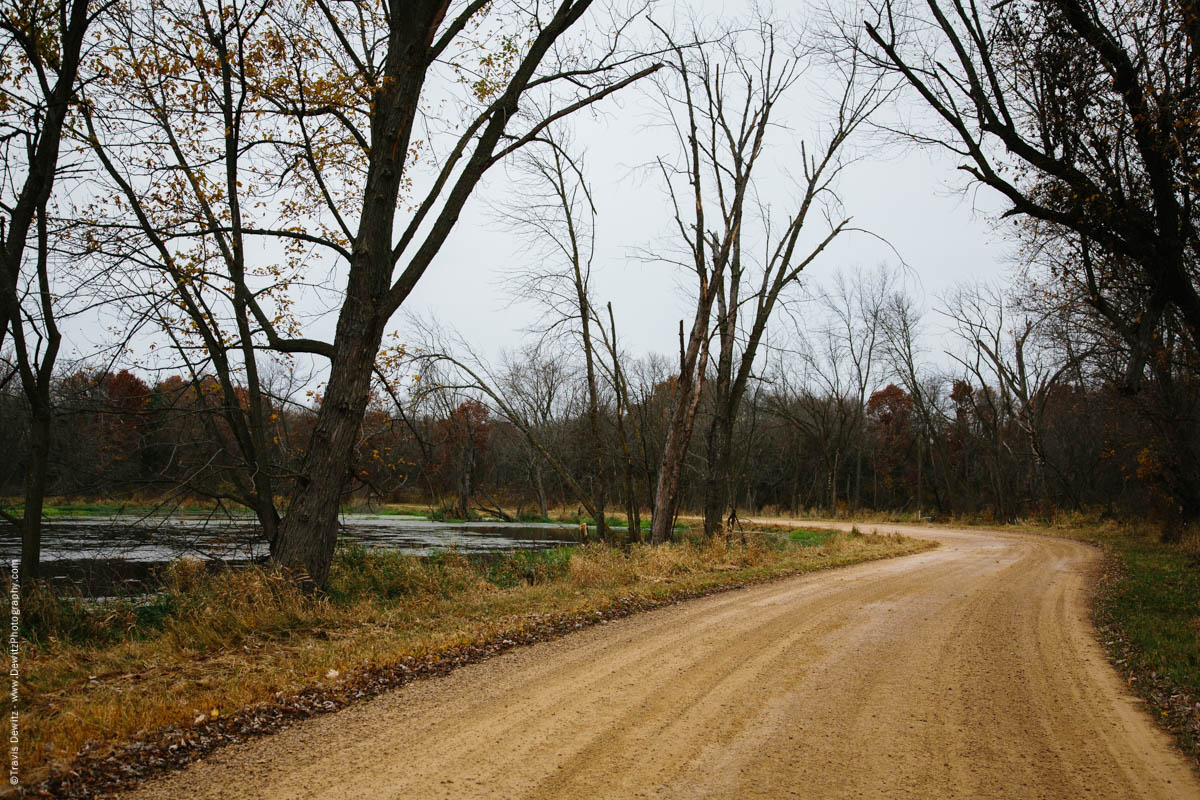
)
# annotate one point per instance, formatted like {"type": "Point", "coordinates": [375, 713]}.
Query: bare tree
{"type": "Point", "coordinates": [743, 93]}
{"type": "Point", "coordinates": [627, 426]}
{"type": "Point", "coordinates": [901, 328]}
{"type": "Point", "coordinates": [818, 401]}
{"type": "Point", "coordinates": [1008, 355]}
{"type": "Point", "coordinates": [724, 103]}
{"type": "Point", "coordinates": [536, 384]}
{"type": "Point", "coordinates": [823, 394]}
{"type": "Point", "coordinates": [556, 208]}
{"type": "Point", "coordinates": [708, 265]}
{"type": "Point", "coordinates": [446, 363]}
{"type": "Point", "coordinates": [41, 54]}
{"type": "Point", "coordinates": [855, 305]}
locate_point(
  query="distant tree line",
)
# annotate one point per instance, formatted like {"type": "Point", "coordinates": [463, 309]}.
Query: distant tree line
{"type": "Point", "coordinates": [1022, 418]}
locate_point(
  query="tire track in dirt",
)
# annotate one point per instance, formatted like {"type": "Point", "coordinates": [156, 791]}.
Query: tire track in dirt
{"type": "Point", "coordinates": [969, 671]}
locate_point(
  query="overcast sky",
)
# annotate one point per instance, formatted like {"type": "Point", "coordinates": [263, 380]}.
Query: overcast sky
{"type": "Point", "coordinates": [914, 200]}
{"type": "Point", "coordinates": [923, 217]}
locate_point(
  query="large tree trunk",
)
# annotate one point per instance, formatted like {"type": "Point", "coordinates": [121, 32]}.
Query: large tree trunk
{"type": "Point", "coordinates": [308, 532]}
{"type": "Point", "coordinates": [666, 494]}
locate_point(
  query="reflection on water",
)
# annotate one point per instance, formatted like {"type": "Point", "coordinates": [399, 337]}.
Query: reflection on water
{"type": "Point", "coordinates": [100, 554]}
{"type": "Point", "coordinates": [163, 539]}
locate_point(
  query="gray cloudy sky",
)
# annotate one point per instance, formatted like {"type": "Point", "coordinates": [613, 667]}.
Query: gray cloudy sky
{"type": "Point", "coordinates": [914, 199]}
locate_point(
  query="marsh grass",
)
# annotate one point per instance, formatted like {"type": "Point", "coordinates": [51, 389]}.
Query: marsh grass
{"type": "Point", "coordinates": [100, 674]}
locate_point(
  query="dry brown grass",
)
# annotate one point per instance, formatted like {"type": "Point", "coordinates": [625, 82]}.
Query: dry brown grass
{"type": "Point", "coordinates": [216, 644]}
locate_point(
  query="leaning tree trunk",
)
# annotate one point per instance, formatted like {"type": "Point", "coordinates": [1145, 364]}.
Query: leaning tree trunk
{"type": "Point", "coordinates": [308, 532]}
{"type": "Point", "coordinates": [666, 494]}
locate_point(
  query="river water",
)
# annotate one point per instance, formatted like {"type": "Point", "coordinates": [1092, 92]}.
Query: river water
{"type": "Point", "coordinates": [99, 553]}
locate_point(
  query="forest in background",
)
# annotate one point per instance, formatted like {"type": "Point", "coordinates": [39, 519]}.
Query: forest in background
{"type": "Point", "coordinates": [1018, 419]}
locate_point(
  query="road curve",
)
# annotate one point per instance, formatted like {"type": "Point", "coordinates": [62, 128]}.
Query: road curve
{"type": "Point", "coordinates": [968, 671]}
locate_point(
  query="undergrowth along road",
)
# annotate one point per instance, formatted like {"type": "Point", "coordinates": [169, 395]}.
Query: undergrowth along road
{"type": "Point", "coordinates": [128, 689]}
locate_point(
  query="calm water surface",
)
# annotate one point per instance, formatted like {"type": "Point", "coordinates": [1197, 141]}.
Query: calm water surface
{"type": "Point", "coordinates": [101, 551]}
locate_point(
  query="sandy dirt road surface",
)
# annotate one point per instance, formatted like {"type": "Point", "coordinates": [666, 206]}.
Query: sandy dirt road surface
{"type": "Point", "coordinates": [969, 671]}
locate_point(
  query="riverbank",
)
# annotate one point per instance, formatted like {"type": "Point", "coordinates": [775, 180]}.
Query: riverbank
{"type": "Point", "coordinates": [121, 555]}
{"type": "Point", "coordinates": [243, 652]}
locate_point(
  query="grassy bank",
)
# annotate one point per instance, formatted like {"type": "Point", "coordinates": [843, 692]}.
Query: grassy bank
{"type": "Point", "coordinates": [96, 676]}
{"type": "Point", "coordinates": [557, 516]}
{"type": "Point", "coordinates": [67, 509]}
{"type": "Point", "coordinates": [1148, 613]}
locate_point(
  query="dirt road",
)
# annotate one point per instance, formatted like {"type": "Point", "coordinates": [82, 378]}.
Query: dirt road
{"type": "Point", "coordinates": [969, 671]}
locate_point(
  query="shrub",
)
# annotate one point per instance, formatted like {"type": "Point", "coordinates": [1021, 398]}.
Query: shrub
{"type": "Point", "coordinates": [530, 566]}
{"type": "Point", "coordinates": [806, 537]}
